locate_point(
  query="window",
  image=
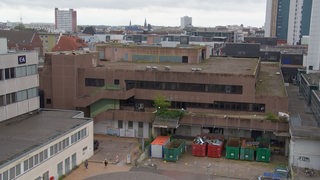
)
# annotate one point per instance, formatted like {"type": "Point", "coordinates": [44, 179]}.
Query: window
{"type": "Point", "coordinates": [31, 162]}
{"type": "Point", "coordinates": [60, 169]}
{"type": "Point", "coordinates": [25, 165]}
{"type": "Point", "coordinates": [36, 159]}
{"type": "Point", "coordinates": [45, 176]}
{"type": "Point", "coordinates": [5, 175]}
{"type": "Point", "coordinates": [41, 156]}
{"type": "Point", "coordinates": [1, 77]}
{"type": "Point", "coordinates": [21, 71]}
{"type": "Point", "coordinates": [18, 169]}
{"type": "Point", "coordinates": [32, 93]}
{"type": "Point", "coordinates": [116, 82]}
{"type": "Point", "coordinates": [31, 70]}
{"type": "Point", "coordinates": [2, 103]}
{"type": "Point", "coordinates": [67, 165]}
{"type": "Point", "coordinates": [9, 73]}
{"type": "Point", "coordinates": [130, 124]}
{"type": "Point", "coordinates": [45, 154]}
{"type": "Point", "coordinates": [48, 101]}
{"type": "Point", "coordinates": [12, 172]}
{"type": "Point", "coordinates": [74, 160]}
{"type": "Point", "coordinates": [10, 98]}
{"type": "Point", "coordinates": [21, 95]}
{"type": "Point", "coordinates": [140, 124]}
{"type": "Point", "coordinates": [120, 124]}
{"type": "Point", "coordinates": [94, 82]}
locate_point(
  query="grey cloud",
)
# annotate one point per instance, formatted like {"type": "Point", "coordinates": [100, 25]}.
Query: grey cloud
{"type": "Point", "coordinates": [208, 5]}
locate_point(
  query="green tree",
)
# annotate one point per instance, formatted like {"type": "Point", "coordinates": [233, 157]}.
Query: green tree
{"type": "Point", "coordinates": [161, 103]}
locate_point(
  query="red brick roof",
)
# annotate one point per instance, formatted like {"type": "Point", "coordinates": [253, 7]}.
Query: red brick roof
{"type": "Point", "coordinates": [69, 43]}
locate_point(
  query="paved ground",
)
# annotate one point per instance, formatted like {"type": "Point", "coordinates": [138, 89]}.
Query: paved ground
{"type": "Point", "coordinates": [187, 168]}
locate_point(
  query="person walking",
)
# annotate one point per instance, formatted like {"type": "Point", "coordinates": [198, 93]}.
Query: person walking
{"type": "Point", "coordinates": [105, 163]}
{"type": "Point", "coordinates": [86, 164]}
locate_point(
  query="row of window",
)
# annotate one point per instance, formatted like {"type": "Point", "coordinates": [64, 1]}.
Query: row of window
{"type": "Point", "coordinates": [43, 155]}
{"type": "Point", "coordinates": [16, 72]}
{"type": "Point", "coordinates": [67, 164]}
{"type": "Point", "coordinates": [78, 135]}
{"type": "Point", "coordinates": [60, 146]}
{"type": "Point", "coordinates": [18, 96]}
{"type": "Point", "coordinates": [130, 124]}
{"type": "Point", "coordinates": [215, 88]}
{"type": "Point", "coordinates": [27, 164]}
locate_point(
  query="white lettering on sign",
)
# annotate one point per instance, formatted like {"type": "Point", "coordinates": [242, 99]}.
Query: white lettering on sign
{"type": "Point", "coordinates": [22, 59]}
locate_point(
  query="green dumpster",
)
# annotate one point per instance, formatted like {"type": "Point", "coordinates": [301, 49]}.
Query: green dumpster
{"type": "Point", "coordinates": [263, 154]}
{"type": "Point", "coordinates": [173, 150]}
{"type": "Point", "coordinates": [232, 149]}
{"type": "Point", "coordinates": [247, 153]}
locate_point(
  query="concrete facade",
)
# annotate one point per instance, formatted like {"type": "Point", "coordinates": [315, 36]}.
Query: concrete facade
{"type": "Point", "coordinates": [65, 20]}
{"type": "Point", "coordinates": [18, 84]}
{"type": "Point", "coordinates": [313, 61]}
{"type": "Point", "coordinates": [223, 92]}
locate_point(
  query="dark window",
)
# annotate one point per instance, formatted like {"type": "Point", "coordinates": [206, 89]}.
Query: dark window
{"type": "Point", "coordinates": [130, 124]}
{"type": "Point", "coordinates": [185, 59]}
{"type": "Point", "coordinates": [140, 124]}
{"type": "Point", "coordinates": [116, 82]}
{"type": "Point", "coordinates": [94, 82]}
{"type": "Point", "coordinates": [2, 103]}
{"type": "Point", "coordinates": [48, 101]}
{"type": "Point", "coordinates": [11, 98]}
{"type": "Point", "coordinates": [310, 67]}
{"type": "Point", "coordinates": [236, 106]}
{"type": "Point", "coordinates": [120, 124]}
{"type": "Point", "coordinates": [215, 88]}
{"type": "Point", "coordinates": [1, 74]}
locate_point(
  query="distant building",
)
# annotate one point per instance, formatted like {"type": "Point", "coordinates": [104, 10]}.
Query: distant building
{"type": "Point", "coordinates": [66, 20]}
{"type": "Point", "coordinates": [288, 20]}
{"type": "Point", "coordinates": [49, 40]}
{"type": "Point", "coordinates": [185, 21]}
{"type": "Point", "coordinates": [23, 41]}
{"type": "Point", "coordinates": [69, 43]}
{"type": "Point", "coordinates": [299, 20]}
{"type": "Point", "coordinates": [313, 59]}
{"type": "Point", "coordinates": [277, 16]}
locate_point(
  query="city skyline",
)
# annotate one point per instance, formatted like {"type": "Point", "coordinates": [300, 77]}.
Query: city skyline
{"type": "Point", "coordinates": [205, 13]}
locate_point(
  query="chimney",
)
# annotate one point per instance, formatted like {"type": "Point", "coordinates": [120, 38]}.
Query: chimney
{"type": "Point", "coordinates": [3, 45]}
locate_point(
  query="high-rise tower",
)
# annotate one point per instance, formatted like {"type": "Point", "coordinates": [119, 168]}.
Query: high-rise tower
{"type": "Point", "coordinates": [66, 20]}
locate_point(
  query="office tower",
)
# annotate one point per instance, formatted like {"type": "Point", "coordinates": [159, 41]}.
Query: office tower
{"type": "Point", "coordinates": [65, 20]}
{"type": "Point", "coordinates": [313, 60]}
{"type": "Point", "coordinates": [299, 20]}
{"type": "Point", "coordinates": [185, 21]}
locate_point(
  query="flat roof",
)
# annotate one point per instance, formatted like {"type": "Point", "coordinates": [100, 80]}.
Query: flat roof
{"type": "Point", "coordinates": [270, 81]}
{"type": "Point", "coordinates": [29, 131]}
{"type": "Point", "coordinates": [215, 65]}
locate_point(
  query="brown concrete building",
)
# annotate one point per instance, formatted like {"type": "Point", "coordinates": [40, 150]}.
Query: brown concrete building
{"type": "Point", "coordinates": [155, 54]}
{"type": "Point", "coordinates": [227, 95]}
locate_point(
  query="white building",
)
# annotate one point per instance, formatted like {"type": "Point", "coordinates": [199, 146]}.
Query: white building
{"type": "Point", "coordinates": [58, 142]}
{"type": "Point", "coordinates": [304, 147]}
{"type": "Point", "coordinates": [294, 24]}
{"type": "Point", "coordinates": [65, 20]}
{"type": "Point", "coordinates": [268, 20]}
{"type": "Point", "coordinates": [313, 61]}
{"type": "Point", "coordinates": [185, 21]}
{"type": "Point", "coordinates": [19, 82]}
{"type": "Point", "coordinates": [36, 144]}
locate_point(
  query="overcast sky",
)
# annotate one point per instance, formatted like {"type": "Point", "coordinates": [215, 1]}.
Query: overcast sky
{"type": "Point", "coordinates": [205, 13]}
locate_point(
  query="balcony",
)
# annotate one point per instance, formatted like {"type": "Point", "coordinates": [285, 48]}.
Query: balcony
{"type": "Point", "coordinates": [247, 122]}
